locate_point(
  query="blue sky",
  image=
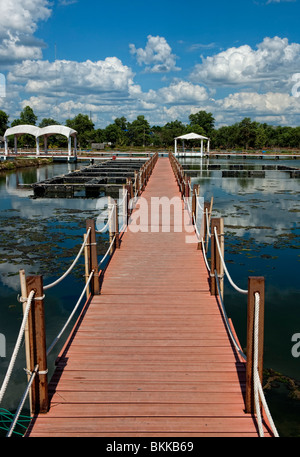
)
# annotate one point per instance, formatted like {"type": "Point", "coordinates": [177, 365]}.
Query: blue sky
{"type": "Point", "coordinates": [162, 59]}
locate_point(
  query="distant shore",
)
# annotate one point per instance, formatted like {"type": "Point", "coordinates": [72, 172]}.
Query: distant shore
{"type": "Point", "coordinates": [11, 165]}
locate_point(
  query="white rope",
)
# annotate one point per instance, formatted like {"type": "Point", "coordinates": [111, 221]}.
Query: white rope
{"type": "Point", "coordinates": [21, 404]}
{"type": "Point", "coordinates": [198, 203]}
{"type": "Point", "coordinates": [255, 365]}
{"type": "Point", "coordinates": [108, 221]}
{"type": "Point", "coordinates": [258, 390]}
{"type": "Point", "coordinates": [73, 264]}
{"type": "Point", "coordinates": [122, 229]}
{"type": "Point", "coordinates": [71, 315]}
{"type": "Point", "coordinates": [17, 346]}
{"type": "Point", "coordinates": [107, 252]}
{"type": "Point", "coordinates": [226, 318]}
{"type": "Point", "coordinates": [207, 225]}
{"type": "Point", "coordinates": [196, 228]}
{"type": "Point", "coordinates": [123, 199]}
{"type": "Point", "coordinates": [242, 291]}
{"type": "Point", "coordinates": [186, 200]}
{"type": "Point", "coordinates": [204, 255]}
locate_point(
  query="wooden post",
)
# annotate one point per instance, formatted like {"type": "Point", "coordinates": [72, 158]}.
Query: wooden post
{"type": "Point", "coordinates": [131, 188]}
{"type": "Point", "coordinates": [111, 223]}
{"type": "Point", "coordinates": [216, 263]}
{"type": "Point", "coordinates": [26, 333]}
{"type": "Point", "coordinates": [93, 258]}
{"type": "Point", "coordinates": [186, 187]}
{"type": "Point", "coordinates": [38, 353]}
{"type": "Point", "coordinates": [124, 206]}
{"type": "Point", "coordinates": [138, 184]}
{"type": "Point", "coordinates": [86, 266]}
{"type": "Point", "coordinates": [209, 219]}
{"type": "Point", "coordinates": [194, 200]}
{"type": "Point", "coordinates": [135, 183]}
{"type": "Point", "coordinates": [128, 200]}
{"type": "Point", "coordinates": [116, 228]}
{"type": "Point", "coordinates": [205, 222]}
{"type": "Point", "coordinates": [255, 284]}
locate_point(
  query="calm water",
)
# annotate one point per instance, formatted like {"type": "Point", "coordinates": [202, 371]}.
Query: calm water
{"type": "Point", "coordinates": [261, 217]}
{"type": "Point", "coordinates": [262, 234]}
{"type": "Point", "coordinates": [41, 237]}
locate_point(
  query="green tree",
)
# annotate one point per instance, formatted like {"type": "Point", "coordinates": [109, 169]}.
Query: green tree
{"type": "Point", "coordinates": [122, 123]}
{"type": "Point", "coordinates": [47, 121]}
{"type": "Point", "coordinates": [83, 126]}
{"type": "Point", "coordinates": [115, 135]}
{"type": "Point", "coordinates": [247, 133]}
{"type": "Point", "coordinates": [205, 120]}
{"type": "Point", "coordinates": [139, 132]}
{"type": "Point", "coordinates": [171, 130]}
{"type": "Point", "coordinates": [195, 128]}
{"type": "Point", "coordinates": [3, 122]}
{"type": "Point", "coordinates": [261, 137]}
{"type": "Point", "coordinates": [27, 117]}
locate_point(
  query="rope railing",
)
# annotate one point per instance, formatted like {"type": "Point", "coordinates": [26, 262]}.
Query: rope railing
{"type": "Point", "coordinates": [212, 231]}
{"type": "Point", "coordinates": [107, 252]}
{"type": "Point", "coordinates": [242, 291]}
{"type": "Point", "coordinates": [104, 229]}
{"type": "Point", "coordinates": [204, 255]}
{"type": "Point", "coordinates": [57, 338]}
{"type": "Point", "coordinates": [17, 346]}
{"type": "Point", "coordinates": [258, 390]}
{"type": "Point", "coordinates": [207, 223]}
{"type": "Point", "coordinates": [237, 346]}
{"type": "Point", "coordinates": [49, 286]}
{"type": "Point", "coordinates": [22, 402]}
{"type": "Point", "coordinates": [33, 301]}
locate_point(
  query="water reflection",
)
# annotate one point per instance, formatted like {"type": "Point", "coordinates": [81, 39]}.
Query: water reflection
{"type": "Point", "coordinates": [42, 237]}
{"type": "Point", "coordinates": [261, 217]}
{"type": "Point", "coordinates": [262, 233]}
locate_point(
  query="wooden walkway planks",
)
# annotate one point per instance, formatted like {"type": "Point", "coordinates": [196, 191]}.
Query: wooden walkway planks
{"type": "Point", "coordinates": [151, 357]}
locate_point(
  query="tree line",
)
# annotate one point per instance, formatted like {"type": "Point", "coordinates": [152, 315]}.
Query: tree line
{"type": "Point", "coordinates": [121, 133]}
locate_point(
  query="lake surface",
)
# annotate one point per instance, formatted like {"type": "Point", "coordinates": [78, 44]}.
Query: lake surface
{"type": "Point", "coordinates": [262, 230]}
{"type": "Point", "coordinates": [262, 238]}
{"type": "Point", "coordinates": [41, 236]}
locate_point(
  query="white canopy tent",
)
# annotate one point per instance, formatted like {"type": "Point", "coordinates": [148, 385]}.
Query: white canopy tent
{"type": "Point", "coordinates": [192, 136]}
{"type": "Point", "coordinates": [41, 132]}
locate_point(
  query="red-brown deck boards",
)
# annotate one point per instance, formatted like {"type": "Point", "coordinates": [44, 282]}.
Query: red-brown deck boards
{"type": "Point", "coordinates": [152, 356]}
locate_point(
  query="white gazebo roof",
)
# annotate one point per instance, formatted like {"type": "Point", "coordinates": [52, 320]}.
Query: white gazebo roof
{"type": "Point", "coordinates": [37, 132]}
{"type": "Point", "coordinates": [21, 130]}
{"type": "Point", "coordinates": [57, 130]}
{"type": "Point", "coordinates": [191, 136]}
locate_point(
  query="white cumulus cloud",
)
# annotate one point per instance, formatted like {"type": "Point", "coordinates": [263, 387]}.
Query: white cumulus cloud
{"type": "Point", "coordinates": [18, 22]}
{"type": "Point", "coordinates": [65, 77]}
{"type": "Point", "coordinates": [270, 103]}
{"type": "Point", "coordinates": [178, 93]}
{"type": "Point", "coordinates": [157, 55]}
{"type": "Point", "coordinates": [270, 64]}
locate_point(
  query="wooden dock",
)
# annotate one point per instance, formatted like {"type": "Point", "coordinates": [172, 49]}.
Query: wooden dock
{"type": "Point", "coordinates": [104, 176]}
{"type": "Point", "coordinates": [150, 355]}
